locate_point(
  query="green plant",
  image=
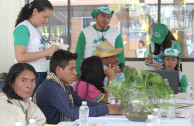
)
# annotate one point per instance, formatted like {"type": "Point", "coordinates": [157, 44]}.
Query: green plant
{"type": "Point", "coordinates": [146, 82]}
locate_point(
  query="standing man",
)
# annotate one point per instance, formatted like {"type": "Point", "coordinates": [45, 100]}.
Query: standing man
{"type": "Point", "coordinates": [91, 36]}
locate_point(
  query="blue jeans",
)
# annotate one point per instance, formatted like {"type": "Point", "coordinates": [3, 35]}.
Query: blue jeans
{"type": "Point", "coordinates": [41, 76]}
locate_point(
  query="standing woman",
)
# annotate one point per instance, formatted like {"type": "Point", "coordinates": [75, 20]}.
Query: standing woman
{"type": "Point", "coordinates": [29, 43]}
{"type": "Point", "coordinates": [161, 39]}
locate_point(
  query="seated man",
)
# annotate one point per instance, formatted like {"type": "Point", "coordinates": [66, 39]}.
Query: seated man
{"type": "Point", "coordinates": [57, 100]}
{"type": "Point", "coordinates": [15, 105]}
{"type": "Point", "coordinates": [109, 57]}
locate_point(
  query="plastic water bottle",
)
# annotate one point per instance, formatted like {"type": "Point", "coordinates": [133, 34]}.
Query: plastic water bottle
{"type": "Point", "coordinates": [156, 116]}
{"type": "Point", "coordinates": [172, 99]}
{"type": "Point", "coordinates": [111, 98]}
{"type": "Point", "coordinates": [166, 81]}
{"type": "Point", "coordinates": [171, 109]}
{"type": "Point", "coordinates": [83, 114]}
{"type": "Point", "coordinates": [150, 121]}
{"type": "Point", "coordinates": [189, 92]}
{"type": "Point", "coordinates": [18, 124]}
{"type": "Point", "coordinates": [32, 122]}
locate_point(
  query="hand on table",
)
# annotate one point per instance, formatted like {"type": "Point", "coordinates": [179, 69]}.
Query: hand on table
{"type": "Point", "coordinates": [114, 109]}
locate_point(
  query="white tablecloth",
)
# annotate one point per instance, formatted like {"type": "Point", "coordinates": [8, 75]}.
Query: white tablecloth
{"type": "Point", "coordinates": [120, 120]}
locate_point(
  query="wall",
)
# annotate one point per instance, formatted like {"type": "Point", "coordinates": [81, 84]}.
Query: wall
{"type": "Point", "coordinates": [9, 10]}
{"type": "Point", "coordinates": [188, 68]}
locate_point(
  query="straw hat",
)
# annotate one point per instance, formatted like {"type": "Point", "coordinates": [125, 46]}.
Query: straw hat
{"type": "Point", "coordinates": [105, 49]}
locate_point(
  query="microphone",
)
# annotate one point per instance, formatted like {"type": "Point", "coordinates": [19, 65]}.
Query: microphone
{"type": "Point", "coordinates": [121, 65]}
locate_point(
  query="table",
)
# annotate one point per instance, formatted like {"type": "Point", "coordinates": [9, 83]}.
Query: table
{"type": "Point", "coordinates": [121, 120]}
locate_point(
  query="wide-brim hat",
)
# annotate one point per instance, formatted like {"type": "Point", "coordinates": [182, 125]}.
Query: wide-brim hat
{"type": "Point", "coordinates": [104, 9]}
{"type": "Point", "coordinates": [171, 52]}
{"type": "Point", "coordinates": [159, 33]}
{"type": "Point", "coordinates": [106, 49]}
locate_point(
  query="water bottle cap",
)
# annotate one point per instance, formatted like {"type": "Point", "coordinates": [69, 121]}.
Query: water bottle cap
{"type": "Point", "coordinates": [32, 121]}
{"type": "Point", "coordinates": [84, 103]}
{"type": "Point", "coordinates": [156, 109]}
{"type": "Point", "coordinates": [150, 117]}
{"type": "Point", "coordinates": [18, 123]}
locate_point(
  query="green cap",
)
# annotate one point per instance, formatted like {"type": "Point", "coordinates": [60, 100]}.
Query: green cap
{"type": "Point", "coordinates": [171, 52]}
{"type": "Point", "coordinates": [159, 33]}
{"type": "Point", "coordinates": [103, 9]}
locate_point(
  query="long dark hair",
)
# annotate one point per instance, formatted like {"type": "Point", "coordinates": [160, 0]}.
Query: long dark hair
{"type": "Point", "coordinates": [92, 72]}
{"type": "Point", "coordinates": [167, 43]}
{"type": "Point", "coordinates": [27, 10]}
{"type": "Point", "coordinates": [14, 72]}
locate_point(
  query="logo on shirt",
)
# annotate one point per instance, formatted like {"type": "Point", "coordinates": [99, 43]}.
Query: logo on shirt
{"type": "Point", "coordinates": [42, 45]}
{"type": "Point", "coordinates": [158, 58]}
{"type": "Point", "coordinates": [96, 41]}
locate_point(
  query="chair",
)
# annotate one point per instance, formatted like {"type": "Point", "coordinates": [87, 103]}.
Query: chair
{"type": "Point", "coordinates": [180, 67]}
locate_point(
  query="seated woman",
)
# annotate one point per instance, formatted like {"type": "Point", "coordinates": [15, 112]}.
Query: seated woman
{"type": "Point", "coordinates": [15, 105]}
{"type": "Point", "coordinates": [171, 62]}
{"type": "Point", "coordinates": [90, 84]}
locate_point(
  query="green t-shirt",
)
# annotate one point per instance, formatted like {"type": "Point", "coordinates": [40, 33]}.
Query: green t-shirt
{"type": "Point", "coordinates": [21, 35]}
{"type": "Point", "coordinates": [183, 82]}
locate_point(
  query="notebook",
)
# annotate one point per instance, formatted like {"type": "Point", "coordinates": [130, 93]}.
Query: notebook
{"type": "Point", "coordinates": [172, 76]}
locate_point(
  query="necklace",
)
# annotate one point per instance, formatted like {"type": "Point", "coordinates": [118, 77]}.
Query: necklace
{"type": "Point", "coordinates": [38, 30]}
{"type": "Point", "coordinates": [102, 35]}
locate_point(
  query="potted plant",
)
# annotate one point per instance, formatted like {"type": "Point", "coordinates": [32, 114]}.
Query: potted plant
{"type": "Point", "coordinates": [140, 93]}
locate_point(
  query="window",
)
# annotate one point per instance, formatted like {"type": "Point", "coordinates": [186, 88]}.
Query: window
{"type": "Point", "coordinates": [132, 18]}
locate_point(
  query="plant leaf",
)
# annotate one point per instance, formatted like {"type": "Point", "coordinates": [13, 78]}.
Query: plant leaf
{"type": "Point", "coordinates": [165, 104]}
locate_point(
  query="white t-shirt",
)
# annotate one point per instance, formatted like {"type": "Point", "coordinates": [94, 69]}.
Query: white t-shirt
{"type": "Point", "coordinates": [93, 38]}
{"type": "Point", "coordinates": [35, 44]}
{"type": "Point", "coordinates": [141, 52]}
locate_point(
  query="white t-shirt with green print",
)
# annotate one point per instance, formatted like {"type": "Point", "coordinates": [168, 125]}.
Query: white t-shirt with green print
{"type": "Point", "coordinates": [95, 37]}
{"type": "Point", "coordinates": [90, 37]}
{"type": "Point", "coordinates": [25, 34]}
